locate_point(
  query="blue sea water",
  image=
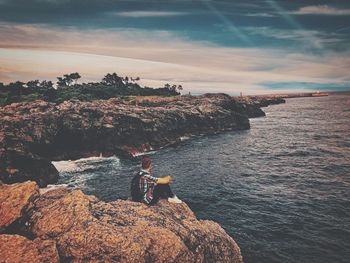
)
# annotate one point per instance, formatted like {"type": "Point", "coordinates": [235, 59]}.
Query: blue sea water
{"type": "Point", "coordinates": [280, 189]}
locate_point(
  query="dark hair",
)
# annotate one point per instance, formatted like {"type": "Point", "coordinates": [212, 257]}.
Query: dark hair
{"type": "Point", "coordinates": [146, 162]}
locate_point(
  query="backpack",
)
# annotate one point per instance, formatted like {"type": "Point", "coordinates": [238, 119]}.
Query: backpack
{"type": "Point", "coordinates": [136, 194]}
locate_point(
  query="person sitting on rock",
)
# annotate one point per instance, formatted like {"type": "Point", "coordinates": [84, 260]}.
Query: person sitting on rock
{"type": "Point", "coordinates": [149, 189]}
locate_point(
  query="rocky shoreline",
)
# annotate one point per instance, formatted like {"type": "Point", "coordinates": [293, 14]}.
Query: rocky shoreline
{"type": "Point", "coordinates": [35, 133]}
{"type": "Point", "coordinates": [67, 226]}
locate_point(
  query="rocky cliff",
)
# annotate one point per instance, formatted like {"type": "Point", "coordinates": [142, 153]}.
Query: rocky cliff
{"type": "Point", "coordinates": [35, 133]}
{"type": "Point", "coordinates": [253, 104]}
{"type": "Point", "coordinates": [68, 226]}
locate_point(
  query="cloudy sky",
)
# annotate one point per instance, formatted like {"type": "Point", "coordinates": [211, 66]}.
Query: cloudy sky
{"type": "Point", "coordinates": [252, 46]}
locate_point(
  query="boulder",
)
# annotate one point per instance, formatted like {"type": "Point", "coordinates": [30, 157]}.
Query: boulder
{"type": "Point", "coordinates": [15, 202]}
{"type": "Point", "coordinates": [18, 249]}
{"type": "Point", "coordinates": [88, 230]}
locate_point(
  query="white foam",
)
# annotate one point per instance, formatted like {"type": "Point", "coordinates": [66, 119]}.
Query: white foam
{"type": "Point", "coordinates": [51, 187]}
{"type": "Point", "coordinates": [80, 164]}
{"type": "Point", "coordinates": [143, 153]}
{"type": "Point", "coordinates": [184, 138]}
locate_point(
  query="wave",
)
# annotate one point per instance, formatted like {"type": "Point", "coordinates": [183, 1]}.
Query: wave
{"type": "Point", "coordinates": [136, 154]}
{"type": "Point", "coordinates": [82, 164]}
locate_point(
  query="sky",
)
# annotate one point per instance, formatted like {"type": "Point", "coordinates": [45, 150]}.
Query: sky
{"type": "Point", "coordinates": [251, 46]}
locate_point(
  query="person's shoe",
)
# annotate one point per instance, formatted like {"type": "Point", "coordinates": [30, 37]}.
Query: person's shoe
{"type": "Point", "coordinates": [174, 200]}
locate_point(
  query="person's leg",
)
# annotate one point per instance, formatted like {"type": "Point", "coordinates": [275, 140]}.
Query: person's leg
{"type": "Point", "coordinates": [162, 191]}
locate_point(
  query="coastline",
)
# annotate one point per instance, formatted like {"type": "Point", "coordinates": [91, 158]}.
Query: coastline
{"type": "Point", "coordinates": [24, 152]}
{"type": "Point", "coordinates": [35, 133]}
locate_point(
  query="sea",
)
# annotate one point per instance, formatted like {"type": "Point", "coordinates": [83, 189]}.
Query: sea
{"type": "Point", "coordinates": [280, 189]}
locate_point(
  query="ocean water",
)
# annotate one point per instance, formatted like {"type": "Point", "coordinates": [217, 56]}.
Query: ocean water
{"type": "Point", "coordinates": [280, 189]}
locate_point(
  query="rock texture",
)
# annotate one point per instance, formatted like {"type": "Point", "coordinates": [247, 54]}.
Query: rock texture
{"type": "Point", "coordinates": [253, 104]}
{"type": "Point", "coordinates": [15, 201]}
{"type": "Point", "coordinates": [85, 229]}
{"type": "Point", "coordinates": [18, 249]}
{"type": "Point", "coordinates": [32, 134]}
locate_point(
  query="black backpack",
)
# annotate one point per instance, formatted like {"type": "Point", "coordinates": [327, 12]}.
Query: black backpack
{"type": "Point", "coordinates": [136, 194]}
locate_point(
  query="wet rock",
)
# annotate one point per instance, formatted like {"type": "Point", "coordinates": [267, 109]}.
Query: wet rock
{"type": "Point", "coordinates": [15, 201]}
{"type": "Point", "coordinates": [18, 249]}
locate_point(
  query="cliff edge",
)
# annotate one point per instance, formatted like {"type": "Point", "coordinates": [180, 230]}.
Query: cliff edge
{"type": "Point", "coordinates": [68, 226]}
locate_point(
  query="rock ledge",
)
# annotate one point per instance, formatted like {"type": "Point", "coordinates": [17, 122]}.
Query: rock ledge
{"type": "Point", "coordinates": [85, 229]}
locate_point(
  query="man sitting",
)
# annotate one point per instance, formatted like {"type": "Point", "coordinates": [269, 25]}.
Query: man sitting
{"type": "Point", "coordinates": [149, 189]}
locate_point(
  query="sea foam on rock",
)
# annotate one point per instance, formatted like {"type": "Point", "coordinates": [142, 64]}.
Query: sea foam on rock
{"type": "Point", "coordinates": [85, 229]}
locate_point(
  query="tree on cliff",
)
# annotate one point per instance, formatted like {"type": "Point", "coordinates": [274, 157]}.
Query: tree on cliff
{"type": "Point", "coordinates": [33, 84]}
{"type": "Point", "coordinates": [112, 80]}
{"type": "Point", "coordinates": [15, 91]}
{"type": "Point", "coordinates": [46, 84]}
{"type": "Point", "coordinates": [74, 77]}
{"type": "Point", "coordinates": [68, 79]}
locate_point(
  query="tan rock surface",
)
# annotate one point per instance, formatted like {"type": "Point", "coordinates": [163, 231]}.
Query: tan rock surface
{"type": "Point", "coordinates": [18, 249]}
{"type": "Point", "coordinates": [15, 201]}
{"type": "Point", "coordinates": [86, 229]}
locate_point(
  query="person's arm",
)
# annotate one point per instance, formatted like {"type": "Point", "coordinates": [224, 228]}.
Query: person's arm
{"type": "Point", "coordinates": [165, 180]}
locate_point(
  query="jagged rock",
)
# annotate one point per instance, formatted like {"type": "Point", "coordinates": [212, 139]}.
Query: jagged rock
{"type": "Point", "coordinates": [86, 229]}
{"type": "Point", "coordinates": [252, 104]}
{"type": "Point", "coordinates": [15, 201]}
{"type": "Point", "coordinates": [18, 249]}
{"type": "Point", "coordinates": [34, 133]}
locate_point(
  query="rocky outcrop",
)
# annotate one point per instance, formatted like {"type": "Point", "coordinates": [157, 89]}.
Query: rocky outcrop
{"type": "Point", "coordinates": [253, 104]}
{"type": "Point", "coordinates": [34, 133]}
{"type": "Point", "coordinates": [85, 229]}
{"type": "Point", "coordinates": [15, 201]}
{"type": "Point", "coordinates": [18, 249]}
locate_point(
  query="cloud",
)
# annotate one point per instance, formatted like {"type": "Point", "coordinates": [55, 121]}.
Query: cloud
{"type": "Point", "coordinates": [29, 52]}
{"type": "Point", "coordinates": [321, 10]}
{"type": "Point", "coordinates": [137, 14]}
{"type": "Point", "coordinates": [310, 38]}
{"type": "Point", "coordinates": [260, 14]}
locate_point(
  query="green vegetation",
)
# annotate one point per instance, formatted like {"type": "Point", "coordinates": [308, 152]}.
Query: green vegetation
{"type": "Point", "coordinates": [67, 87]}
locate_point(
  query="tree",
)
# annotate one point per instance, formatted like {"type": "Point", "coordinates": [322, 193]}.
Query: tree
{"type": "Point", "coordinates": [46, 84]}
{"type": "Point", "coordinates": [50, 94]}
{"type": "Point", "coordinates": [15, 89]}
{"type": "Point", "coordinates": [112, 80]}
{"type": "Point", "coordinates": [68, 79]}
{"type": "Point", "coordinates": [126, 79]}
{"type": "Point", "coordinates": [61, 82]}
{"type": "Point", "coordinates": [135, 79]}
{"type": "Point", "coordinates": [33, 84]}
{"type": "Point", "coordinates": [74, 77]}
